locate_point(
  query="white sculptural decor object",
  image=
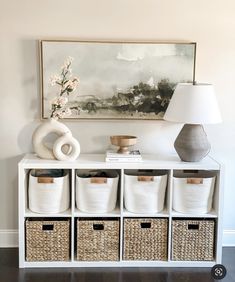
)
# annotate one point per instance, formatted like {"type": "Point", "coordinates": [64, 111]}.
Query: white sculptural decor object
{"type": "Point", "coordinates": [74, 147]}
{"type": "Point", "coordinates": [64, 138]}
{"type": "Point", "coordinates": [67, 84]}
{"type": "Point", "coordinates": [193, 104]}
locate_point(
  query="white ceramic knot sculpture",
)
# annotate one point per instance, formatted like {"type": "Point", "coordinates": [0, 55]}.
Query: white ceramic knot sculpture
{"type": "Point", "coordinates": [64, 138]}
{"type": "Point", "coordinates": [72, 153]}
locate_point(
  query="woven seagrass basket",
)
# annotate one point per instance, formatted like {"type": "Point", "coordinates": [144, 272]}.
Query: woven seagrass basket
{"type": "Point", "coordinates": [193, 240]}
{"type": "Point", "coordinates": [98, 240]}
{"type": "Point", "coordinates": [145, 239]}
{"type": "Point", "coordinates": [47, 240]}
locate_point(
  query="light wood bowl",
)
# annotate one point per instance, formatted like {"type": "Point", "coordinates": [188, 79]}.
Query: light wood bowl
{"type": "Point", "coordinates": [123, 142]}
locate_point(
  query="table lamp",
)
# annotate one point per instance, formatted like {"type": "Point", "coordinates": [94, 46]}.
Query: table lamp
{"type": "Point", "coordinates": [193, 104]}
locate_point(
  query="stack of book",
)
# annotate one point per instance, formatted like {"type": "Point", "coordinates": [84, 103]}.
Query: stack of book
{"type": "Point", "coordinates": [133, 157]}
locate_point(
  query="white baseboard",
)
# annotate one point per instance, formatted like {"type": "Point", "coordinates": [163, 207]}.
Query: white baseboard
{"type": "Point", "coordinates": [9, 238]}
{"type": "Point", "coordinates": [229, 238]}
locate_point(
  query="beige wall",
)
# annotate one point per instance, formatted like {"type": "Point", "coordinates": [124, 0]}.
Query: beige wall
{"type": "Point", "coordinates": [210, 23]}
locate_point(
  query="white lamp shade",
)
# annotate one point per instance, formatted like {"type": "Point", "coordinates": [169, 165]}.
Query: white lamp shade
{"type": "Point", "coordinates": [193, 104]}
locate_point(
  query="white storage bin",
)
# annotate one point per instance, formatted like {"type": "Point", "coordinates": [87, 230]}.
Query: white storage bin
{"type": "Point", "coordinates": [48, 191]}
{"type": "Point", "coordinates": [144, 192]}
{"type": "Point", "coordinates": [193, 192]}
{"type": "Point", "coordinates": [96, 191]}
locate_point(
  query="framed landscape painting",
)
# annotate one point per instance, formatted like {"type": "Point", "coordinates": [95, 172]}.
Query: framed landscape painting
{"type": "Point", "coordinates": [113, 80]}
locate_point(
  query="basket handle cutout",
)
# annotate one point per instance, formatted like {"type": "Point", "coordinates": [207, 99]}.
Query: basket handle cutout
{"type": "Point", "coordinates": [45, 180]}
{"type": "Point", "coordinates": [47, 227]}
{"type": "Point", "coordinates": [145, 178]}
{"type": "Point", "coordinates": [190, 171]}
{"type": "Point", "coordinates": [194, 180]}
{"type": "Point", "coordinates": [145, 224]}
{"type": "Point", "coordinates": [98, 226]}
{"type": "Point", "coordinates": [193, 226]}
{"type": "Point", "coordinates": [98, 180]}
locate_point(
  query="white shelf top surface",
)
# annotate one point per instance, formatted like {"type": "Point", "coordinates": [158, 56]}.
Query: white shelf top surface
{"type": "Point", "coordinates": [211, 214]}
{"type": "Point", "coordinates": [115, 213]}
{"type": "Point", "coordinates": [163, 213]}
{"type": "Point", "coordinates": [92, 161]}
{"type": "Point", "coordinates": [29, 213]}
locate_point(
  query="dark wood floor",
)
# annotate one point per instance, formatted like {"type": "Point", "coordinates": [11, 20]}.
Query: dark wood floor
{"type": "Point", "coordinates": [9, 272]}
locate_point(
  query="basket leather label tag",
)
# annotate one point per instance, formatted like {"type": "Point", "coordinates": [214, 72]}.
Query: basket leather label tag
{"type": "Point", "coordinates": [145, 178]}
{"type": "Point", "coordinates": [98, 180]}
{"type": "Point", "coordinates": [194, 180]}
{"type": "Point", "coordinates": [45, 180]}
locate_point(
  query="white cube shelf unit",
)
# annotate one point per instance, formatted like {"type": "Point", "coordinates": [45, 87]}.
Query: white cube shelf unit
{"type": "Point", "coordinates": [170, 163]}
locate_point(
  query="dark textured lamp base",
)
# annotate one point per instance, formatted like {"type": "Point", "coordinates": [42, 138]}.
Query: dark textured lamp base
{"type": "Point", "coordinates": [192, 144]}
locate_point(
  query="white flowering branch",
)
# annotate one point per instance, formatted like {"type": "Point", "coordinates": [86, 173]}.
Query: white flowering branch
{"type": "Point", "coordinates": [67, 83]}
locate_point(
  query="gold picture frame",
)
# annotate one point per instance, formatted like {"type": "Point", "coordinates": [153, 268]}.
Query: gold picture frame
{"type": "Point", "coordinates": [117, 80]}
